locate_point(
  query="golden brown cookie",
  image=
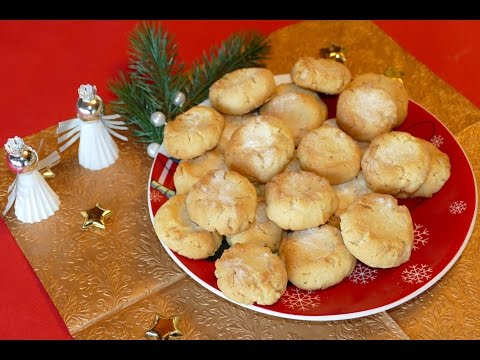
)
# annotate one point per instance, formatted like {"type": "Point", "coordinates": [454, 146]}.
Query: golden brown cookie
{"type": "Point", "coordinates": [377, 231]}
{"type": "Point", "coordinates": [250, 273]}
{"type": "Point", "coordinates": [263, 231]}
{"type": "Point", "coordinates": [395, 162]}
{"type": "Point", "coordinates": [316, 258]}
{"type": "Point", "coordinates": [223, 201]}
{"type": "Point", "coordinates": [394, 87]}
{"type": "Point", "coordinates": [363, 145]}
{"type": "Point", "coordinates": [366, 112]}
{"type": "Point", "coordinates": [330, 153]}
{"type": "Point", "coordinates": [350, 191]}
{"type": "Point", "coordinates": [188, 172]}
{"type": "Point", "coordinates": [292, 88]}
{"type": "Point", "coordinates": [174, 227]}
{"type": "Point", "coordinates": [261, 148]}
{"type": "Point", "coordinates": [193, 132]}
{"type": "Point", "coordinates": [322, 75]}
{"type": "Point", "coordinates": [242, 90]}
{"type": "Point", "coordinates": [438, 173]}
{"type": "Point", "coordinates": [300, 112]}
{"type": "Point", "coordinates": [232, 123]}
{"type": "Point", "coordinates": [298, 201]}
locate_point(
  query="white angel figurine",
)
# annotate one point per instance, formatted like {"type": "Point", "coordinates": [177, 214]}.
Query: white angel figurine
{"type": "Point", "coordinates": [97, 150]}
{"type": "Point", "coordinates": [33, 197]}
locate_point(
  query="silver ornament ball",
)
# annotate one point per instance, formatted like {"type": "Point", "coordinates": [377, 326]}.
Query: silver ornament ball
{"type": "Point", "coordinates": [21, 158]}
{"type": "Point", "coordinates": [152, 149]}
{"type": "Point", "coordinates": [157, 119]}
{"type": "Point", "coordinates": [89, 104]}
{"type": "Point", "coordinates": [179, 99]}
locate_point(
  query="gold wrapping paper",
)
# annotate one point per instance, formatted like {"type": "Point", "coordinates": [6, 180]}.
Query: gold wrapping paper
{"type": "Point", "coordinates": [209, 317]}
{"type": "Point", "coordinates": [90, 274]}
{"type": "Point", "coordinates": [108, 284]}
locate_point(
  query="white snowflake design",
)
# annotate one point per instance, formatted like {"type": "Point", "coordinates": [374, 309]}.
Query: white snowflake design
{"type": "Point", "coordinates": [294, 298]}
{"type": "Point", "coordinates": [155, 195]}
{"type": "Point", "coordinates": [420, 236]}
{"type": "Point", "coordinates": [417, 274]}
{"type": "Point", "coordinates": [362, 274]}
{"type": "Point", "coordinates": [457, 207]}
{"type": "Point", "coordinates": [437, 140]}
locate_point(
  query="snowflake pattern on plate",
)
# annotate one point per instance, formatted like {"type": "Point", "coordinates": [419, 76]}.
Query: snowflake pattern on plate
{"type": "Point", "coordinates": [155, 195]}
{"type": "Point", "coordinates": [417, 274]}
{"type": "Point", "coordinates": [420, 236]}
{"type": "Point", "coordinates": [437, 140]}
{"type": "Point", "coordinates": [457, 207]}
{"type": "Point", "coordinates": [297, 299]}
{"type": "Point", "coordinates": [362, 274]}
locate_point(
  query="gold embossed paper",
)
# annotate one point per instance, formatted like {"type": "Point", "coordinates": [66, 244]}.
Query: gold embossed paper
{"type": "Point", "coordinates": [109, 284]}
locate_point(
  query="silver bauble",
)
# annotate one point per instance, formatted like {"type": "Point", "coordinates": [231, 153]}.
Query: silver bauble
{"type": "Point", "coordinates": [157, 119]}
{"type": "Point", "coordinates": [89, 104]}
{"type": "Point", "coordinates": [21, 158]}
{"type": "Point", "coordinates": [179, 99]}
{"type": "Point", "coordinates": [152, 149]}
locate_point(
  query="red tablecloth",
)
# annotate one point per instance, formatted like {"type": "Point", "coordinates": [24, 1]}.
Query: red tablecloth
{"type": "Point", "coordinates": [42, 63]}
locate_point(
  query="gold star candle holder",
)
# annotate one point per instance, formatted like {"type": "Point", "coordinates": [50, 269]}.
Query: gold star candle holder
{"type": "Point", "coordinates": [95, 216]}
{"type": "Point", "coordinates": [164, 329]}
{"type": "Point", "coordinates": [334, 52]}
{"type": "Point", "coordinates": [394, 73]}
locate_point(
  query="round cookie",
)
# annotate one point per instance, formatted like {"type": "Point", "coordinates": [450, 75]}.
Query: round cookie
{"type": "Point", "coordinates": [363, 145]}
{"type": "Point", "coordinates": [323, 75]}
{"type": "Point", "coordinates": [232, 123]}
{"type": "Point", "coordinates": [298, 201]}
{"type": "Point", "coordinates": [350, 191]}
{"type": "Point", "coordinates": [223, 201]}
{"type": "Point", "coordinates": [263, 231]}
{"type": "Point", "coordinates": [193, 132]}
{"type": "Point", "coordinates": [250, 273]}
{"type": "Point", "coordinates": [188, 172]}
{"type": "Point", "coordinates": [394, 162]}
{"type": "Point", "coordinates": [316, 258]}
{"type": "Point", "coordinates": [260, 148]}
{"type": "Point", "coordinates": [292, 88]}
{"type": "Point", "coordinates": [242, 90]}
{"type": "Point", "coordinates": [330, 153]}
{"type": "Point", "coordinates": [365, 112]}
{"type": "Point", "coordinates": [377, 231]}
{"type": "Point", "coordinates": [394, 87]}
{"type": "Point", "coordinates": [174, 227]}
{"type": "Point", "coordinates": [300, 112]}
{"type": "Point", "coordinates": [437, 176]}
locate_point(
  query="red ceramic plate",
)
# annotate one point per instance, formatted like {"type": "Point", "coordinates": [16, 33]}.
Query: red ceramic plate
{"type": "Point", "coordinates": [442, 224]}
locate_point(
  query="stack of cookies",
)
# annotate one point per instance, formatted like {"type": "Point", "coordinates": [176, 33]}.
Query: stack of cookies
{"type": "Point", "coordinates": [297, 197]}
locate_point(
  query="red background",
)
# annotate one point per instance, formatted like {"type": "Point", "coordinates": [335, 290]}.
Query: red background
{"type": "Point", "coordinates": [42, 63]}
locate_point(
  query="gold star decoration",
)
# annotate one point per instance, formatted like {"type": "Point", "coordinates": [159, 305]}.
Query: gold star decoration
{"type": "Point", "coordinates": [48, 174]}
{"type": "Point", "coordinates": [95, 216]}
{"type": "Point", "coordinates": [164, 329]}
{"type": "Point", "coordinates": [334, 52]}
{"type": "Point", "coordinates": [394, 73]}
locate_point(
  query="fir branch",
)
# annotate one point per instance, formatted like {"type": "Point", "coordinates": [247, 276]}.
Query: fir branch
{"type": "Point", "coordinates": [156, 75]}
{"type": "Point", "coordinates": [239, 51]}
